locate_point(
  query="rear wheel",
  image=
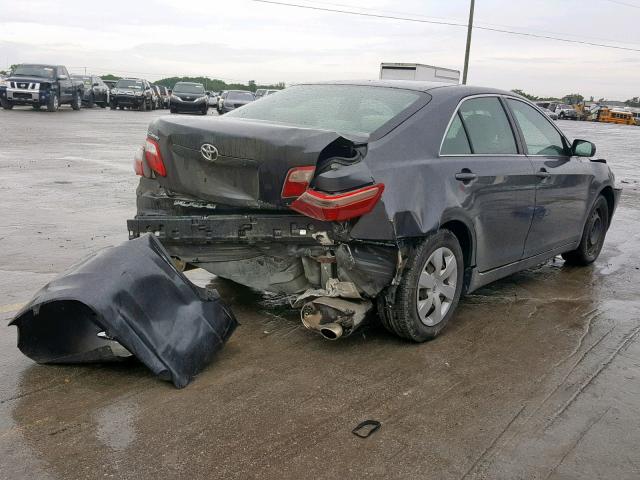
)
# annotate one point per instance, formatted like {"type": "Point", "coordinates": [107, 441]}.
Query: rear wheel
{"type": "Point", "coordinates": [76, 101]}
{"type": "Point", "coordinates": [429, 290]}
{"type": "Point", "coordinates": [593, 235]}
{"type": "Point", "coordinates": [52, 104]}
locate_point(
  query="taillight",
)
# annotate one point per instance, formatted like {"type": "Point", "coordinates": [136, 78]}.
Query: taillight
{"type": "Point", "coordinates": [154, 157]}
{"type": "Point", "coordinates": [338, 207]}
{"type": "Point", "coordinates": [297, 181]}
{"type": "Point", "coordinates": [138, 160]}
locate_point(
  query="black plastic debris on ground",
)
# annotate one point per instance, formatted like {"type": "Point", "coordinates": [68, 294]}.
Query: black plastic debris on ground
{"type": "Point", "coordinates": [128, 299]}
{"type": "Point", "coordinates": [366, 428]}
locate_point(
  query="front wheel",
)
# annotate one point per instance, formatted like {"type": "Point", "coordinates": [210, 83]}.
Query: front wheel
{"type": "Point", "coordinates": [52, 104]}
{"type": "Point", "coordinates": [429, 290]}
{"type": "Point", "coordinates": [593, 235]}
{"type": "Point", "coordinates": [92, 100]}
{"type": "Point", "coordinates": [6, 104]}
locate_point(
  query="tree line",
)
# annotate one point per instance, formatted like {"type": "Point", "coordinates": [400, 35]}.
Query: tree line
{"type": "Point", "coordinates": [210, 84]}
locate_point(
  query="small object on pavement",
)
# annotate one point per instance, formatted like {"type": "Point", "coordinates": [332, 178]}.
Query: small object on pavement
{"type": "Point", "coordinates": [128, 299]}
{"type": "Point", "coordinates": [366, 428]}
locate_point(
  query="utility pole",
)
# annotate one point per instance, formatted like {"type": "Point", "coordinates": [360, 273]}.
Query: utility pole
{"type": "Point", "coordinates": [466, 53]}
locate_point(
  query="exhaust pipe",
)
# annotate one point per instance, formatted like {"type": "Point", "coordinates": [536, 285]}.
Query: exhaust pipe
{"type": "Point", "coordinates": [331, 331]}
{"type": "Point", "coordinates": [333, 317]}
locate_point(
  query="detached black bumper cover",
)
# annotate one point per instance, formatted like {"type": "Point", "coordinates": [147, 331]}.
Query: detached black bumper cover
{"type": "Point", "coordinates": [133, 294]}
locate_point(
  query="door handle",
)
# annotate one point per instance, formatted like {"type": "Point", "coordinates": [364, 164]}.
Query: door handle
{"type": "Point", "coordinates": [466, 176]}
{"type": "Point", "coordinates": [542, 173]}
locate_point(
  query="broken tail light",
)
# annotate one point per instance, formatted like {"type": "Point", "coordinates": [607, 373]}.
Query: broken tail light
{"type": "Point", "coordinates": [154, 157]}
{"type": "Point", "coordinates": [138, 163]}
{"type": "Point", "coordinates": [338, 207]}
{"type": "Point", "coordinates": [297, 181]}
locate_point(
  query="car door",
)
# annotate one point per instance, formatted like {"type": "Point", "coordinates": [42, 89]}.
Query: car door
{"type": "Point", "coordinates": [562, 191]}
{"type": "Point", "coordinates": [66, 84]}
{"type": "Point", "coordinates": [496, 181]}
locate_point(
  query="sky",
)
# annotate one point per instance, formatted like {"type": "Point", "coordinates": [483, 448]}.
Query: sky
{"type": "Point", "coordinates": [243, 40]}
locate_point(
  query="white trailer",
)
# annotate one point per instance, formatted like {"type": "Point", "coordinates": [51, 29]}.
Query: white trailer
{"type": "Point", "coordinates": [418, 71]}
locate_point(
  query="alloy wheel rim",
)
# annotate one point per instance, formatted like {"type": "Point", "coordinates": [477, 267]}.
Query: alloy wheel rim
{"type": "Point", "coordinates": [437, 286]}
{"type": "Point", "coordinates": [595, 233]}
{"type": "Point", "coordinates": [55, 101]}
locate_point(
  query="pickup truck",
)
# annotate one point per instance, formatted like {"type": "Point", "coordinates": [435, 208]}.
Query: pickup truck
{"type": "Point", "coordinates": [41, 86]}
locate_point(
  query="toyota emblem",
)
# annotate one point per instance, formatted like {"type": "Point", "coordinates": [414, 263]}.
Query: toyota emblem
{"type": "Point", "coordinates": [209, 152]}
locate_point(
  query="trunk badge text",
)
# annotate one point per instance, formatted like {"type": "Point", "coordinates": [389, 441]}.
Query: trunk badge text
{"type": "Point", "coordinates": [209, 152]}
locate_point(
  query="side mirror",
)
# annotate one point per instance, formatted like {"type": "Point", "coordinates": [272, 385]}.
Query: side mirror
{"type": "Point", "coordinates": [208, 93]}
{"type": "Point", "coordinates": [96, 84]}
{"type": "Point", "coordinates": [583, 148]}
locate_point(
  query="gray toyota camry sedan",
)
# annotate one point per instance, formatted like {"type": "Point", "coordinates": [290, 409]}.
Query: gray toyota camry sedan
{"type": "Point", "coordinates": [350, 196]}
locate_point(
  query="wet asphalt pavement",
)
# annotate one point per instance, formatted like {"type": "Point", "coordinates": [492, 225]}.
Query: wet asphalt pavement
{"type": "Point", "coordinates": [538, 376]}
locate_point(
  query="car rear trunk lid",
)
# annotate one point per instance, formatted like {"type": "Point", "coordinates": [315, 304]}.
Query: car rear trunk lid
{"type": "Point", "coordinates": [248, 164]}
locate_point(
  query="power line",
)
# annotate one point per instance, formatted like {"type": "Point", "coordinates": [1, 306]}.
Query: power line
{"type": "Point", "coordinates": [476, 22]}
{"type": "Point", "coordinates": [447, 23]}
{"type": "Point", "coordinates": [623, 3]}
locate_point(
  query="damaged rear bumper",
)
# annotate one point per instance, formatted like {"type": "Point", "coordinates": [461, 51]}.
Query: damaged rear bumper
{"type": "Point", "coordinates": [282, 253]}
{"type": "Point", "coordinates": [128, 299]}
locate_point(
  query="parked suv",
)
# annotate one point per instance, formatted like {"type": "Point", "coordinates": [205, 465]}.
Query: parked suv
{"type": "Point", "coordinates": [564, 111]}
{"type": "Point", "coordinates": [96, 92]}
{"type": "Point", "coordinates": [41, 85]}
{"type": "Point", "coordinates": [132, 93]}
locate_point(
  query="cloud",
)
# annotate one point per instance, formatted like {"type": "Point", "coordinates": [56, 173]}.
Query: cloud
{"type": "Point", "coordinates": [241, 40]}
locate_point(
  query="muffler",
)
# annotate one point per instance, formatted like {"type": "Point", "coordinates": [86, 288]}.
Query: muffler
{"type": "Point", "coordinates": [334, 318]}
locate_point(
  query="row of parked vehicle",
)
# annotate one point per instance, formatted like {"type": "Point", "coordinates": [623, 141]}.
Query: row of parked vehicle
{"type": "Point", "coordinates": [51, 86]}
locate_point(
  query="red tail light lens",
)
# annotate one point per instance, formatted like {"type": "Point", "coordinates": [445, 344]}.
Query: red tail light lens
{"type": "Point", "coordinates": [154, 157]}
{"type": "Point", "coordinates": [297, 181]}
{"type": "Point", "coordinates": [338, 207]}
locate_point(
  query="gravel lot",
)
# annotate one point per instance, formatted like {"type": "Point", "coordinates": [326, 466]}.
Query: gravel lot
{"type": "Point", "coordinates": [538, 376]}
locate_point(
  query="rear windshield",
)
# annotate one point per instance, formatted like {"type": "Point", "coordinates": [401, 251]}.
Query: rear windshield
{"type": "Point", "coordinates": [131, 84]}
{"type": "Point", "coordinates": [33, 71]}
{"type": "Point", "coordinates": [188, 88]}
{"type": "Point", "coordinates": [241, 96]}
{"type": "Point", "coordinates": [354, 109]}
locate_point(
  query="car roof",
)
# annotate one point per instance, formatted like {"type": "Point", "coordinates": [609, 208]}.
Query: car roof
{"type": "Point", "coordinates": [417, 85]}
{"type": "Point", "coordinates": [189, 83]}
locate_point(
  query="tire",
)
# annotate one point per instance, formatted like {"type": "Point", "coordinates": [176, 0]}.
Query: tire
{"type": "Point", "coordinates": [92, 101]}
{"type": "Point", "coordinates": [561, 116]}
{"type": "Point", "coordinates": [205, 110]}
{"type": "Point", "coordinates": [403, 317]}
{"type": "Point", "coordinates": [593, 235]}
{"type": "Point", "coordinates": [76, 101]}
{"type": "Point", "coordinates": [36, 107]}
{"type": "Point", "coordinates": [173, 110]}
{"type": "Point", "coordinates": [143, 106]}
{"type": "Point", "coordinates": [6, 105]}
{"type": "Point", "coordinates": [52, 103]}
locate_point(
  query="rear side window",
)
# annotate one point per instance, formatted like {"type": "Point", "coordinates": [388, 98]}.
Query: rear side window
{"type": "Point", "coordinates": [487, 126]}
{"type": "Point", "coordinates": [540, 137]}
{"type": "Point", "coordinates": [456, 141]}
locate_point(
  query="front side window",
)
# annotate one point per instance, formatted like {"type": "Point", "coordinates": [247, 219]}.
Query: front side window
{"type": "Point", "coordinates": [488, 127]}
{"type": "Point", "coordinates": [540, 137]}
